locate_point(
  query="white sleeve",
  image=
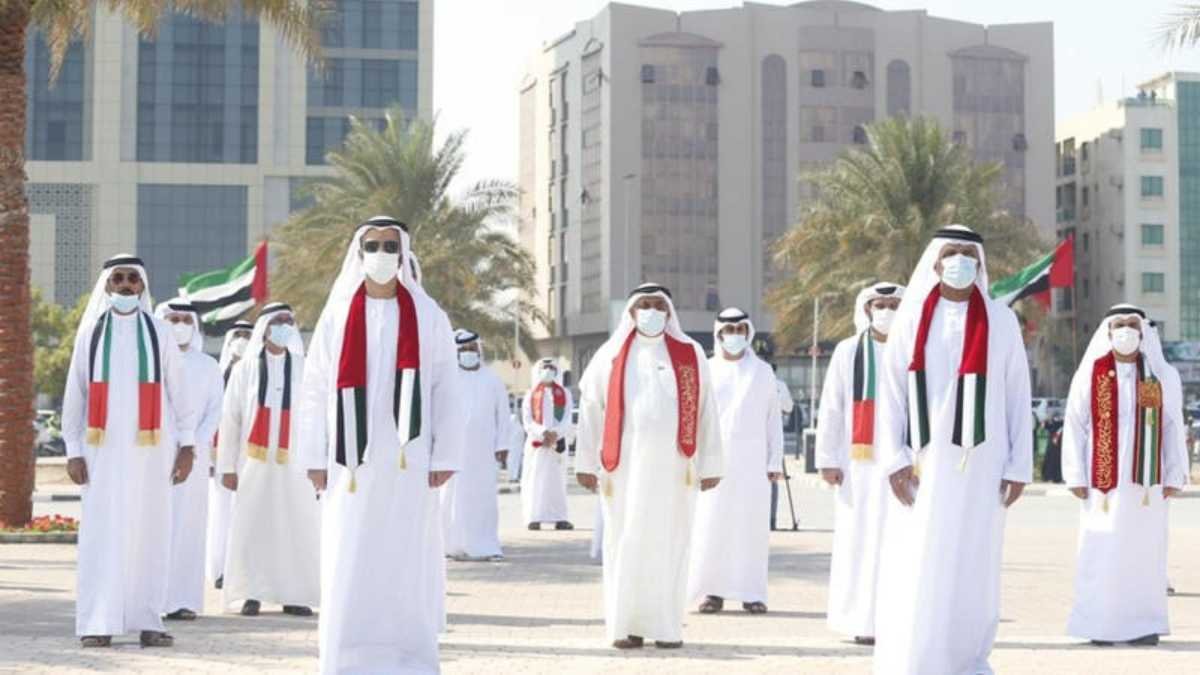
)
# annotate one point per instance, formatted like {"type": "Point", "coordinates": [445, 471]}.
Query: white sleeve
{"type": "Point", "coordinates": [831, 419]}
{"type": "Point", "coordinates": [503, 431]}
{"type": "Point", "coordinates": [1175, 456]}
{"type": "Point", "coordinates": [74, 414]}
{"type": "Point", "coordinates": [312, 408]}
{"type": "Point", "coordinates": [786, 402]}
{"type": "Point", "coordinates": [590, 435]}
{"type": "Point", "coordinates": [449, 433]}
{"type": "Point", "coordinates": [710, 455]}
{"type": "Point", "coordinates": [1019, 466]}
{"type": "Point", "coordinates": [210, 417]}
{"type": "Point", "coordinates": [532, 429]}
{"type": "Point", "coordinates": [891, 397]}
{"type": "Point", "coordinates": [774, 431]}
{"type": "Point", "coordinates": [232, 432]}
{"type": "Point", "coordinates": [566, 429]}
{"type": "Point", "coordinates": [183, 397]}
{"type": "Point", "coordinates": [1077, 429]}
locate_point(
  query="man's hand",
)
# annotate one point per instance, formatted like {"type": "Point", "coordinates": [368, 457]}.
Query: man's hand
{"type": "Point", "coordinates": [1011, 491]}
{"type": "Point", "coordinates": [774, 476]}
{"type": "Point", "coordinates": [832, 476]}
{"type": "Point", "coordinates": [183, 464]}
{"type": "Point", "coordinates": [550, 439]}
{"type": "Point", "coordinates": [587, 480]}
{"type": "Point", "coordinates": [1169, 492]}
{"type": "Point", "coordinates": [212, 471]}
{"type": "Point", "coordinates": [438, 478]}
{"type": "Point", "coordinates": [903, 483]}
{"type": "Point", "coordinates": [1081, 492]}
{"type": "Point", "coordinates": [319, 479]}
{"type": "Point", "coordinates": [707, 484]}
{"type": "Point", "coordinates": [230, 481]}
{"type": "Point", "coordinates": [77, 470]}
{"type": "Point", "coordinates": [502, 457]}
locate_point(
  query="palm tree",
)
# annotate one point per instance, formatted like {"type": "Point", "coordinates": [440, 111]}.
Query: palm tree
{"type": "Point", "coordinates": [467, 261]}
{"type": "Point", "coordinates": [61, 22]}
{"type": "Point", "coordinates": [875, 211]}
{"type": "Point", "coordinates": [1180, 28]}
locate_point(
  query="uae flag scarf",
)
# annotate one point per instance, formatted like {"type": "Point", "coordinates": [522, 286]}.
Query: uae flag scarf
{"type": "Point", "coordinates": [1147, 438]}
{"type": "Point", "coordinates": [149, 431]}
{"type": "Point", "coordinates": [536, 406]}
{"type": "Point", "coordinates": [352, 381]}
{"type": "Point", "coordinates": [687, 383]}
{"type": "Point", "coordinates": [970, 403]}
{"type": "Point", "coordinates": [862, 429]}
{"type": "Point", "coordinates": [260, 430]}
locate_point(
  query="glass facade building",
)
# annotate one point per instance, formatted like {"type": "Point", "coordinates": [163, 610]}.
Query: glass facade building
{"type": "Point", "coordinates": [188, 228]}
{"type": "Point", "coordinates": [1187, 101]}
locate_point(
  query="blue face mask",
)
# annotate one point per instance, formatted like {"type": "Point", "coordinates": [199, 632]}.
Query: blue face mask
{"type": "Point", "coordinates": [281, 334]}
{"type": "Point", "coordinates": [124, 304]}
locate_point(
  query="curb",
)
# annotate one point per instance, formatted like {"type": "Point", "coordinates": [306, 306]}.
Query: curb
{"type": "Point", "coordinates": [39, 538]}
{"type": "Point", "coordinates": [812, 480]}
{"type": "Point", "coordinates": [56, 497]}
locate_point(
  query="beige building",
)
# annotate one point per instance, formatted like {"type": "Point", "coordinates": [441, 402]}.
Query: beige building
{"type": "Point", "coordinates": [189, 148]}
{"type": "Point", "coordinates": [667, 147]}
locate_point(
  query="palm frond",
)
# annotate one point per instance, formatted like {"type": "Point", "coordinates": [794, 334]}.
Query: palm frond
{"type": "Point", "coordinates": [1180, 28]}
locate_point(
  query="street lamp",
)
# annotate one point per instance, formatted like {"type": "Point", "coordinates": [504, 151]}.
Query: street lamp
{"type": "Point", "coordinates": [625, 286]}
{"type": "Point", "coordinates": [812, 374]}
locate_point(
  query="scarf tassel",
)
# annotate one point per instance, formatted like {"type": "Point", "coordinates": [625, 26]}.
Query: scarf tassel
{"type": "Point", "coordinates": [1146, 497]}
{"type": "Point", "coordinates": [403, 459]}
{"type": "Point", "coordinates": [687, 477]}
{"type": "Point", "coordinates": [962, 464]}
{"type": "Point", "coordinates": [1105, 506]}
{"type": "Point", "coordinates": [95, 437]}
{"type": "Point", "coordinates": [353, 483]}
{"type": "Point", "coordinates": [608, 487]}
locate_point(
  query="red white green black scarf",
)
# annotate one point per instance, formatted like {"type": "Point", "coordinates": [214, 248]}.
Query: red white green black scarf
{"type": "Point", "coordinates": [862, 430]}
{"type": "Point", "coordinates": [352, 380]}
{"type": "Point", "coordinates": [1147, 439]}
{"type": "Point", "coordinates": [560, 406]}
{"type": "Point", "coordinates": [260, 431]}
{"type": "Point", "coordinates": [149, 381]}
{"type": "Point", "coordinates": [970, 426]}
{"type": "Point", "coordinates": [687, 383]}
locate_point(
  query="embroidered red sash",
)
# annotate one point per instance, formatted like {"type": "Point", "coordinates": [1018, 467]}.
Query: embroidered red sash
{"type": "Point", "coordinates": [1147, 438]}
{"type": "Point", "coordinates": [560, 406]}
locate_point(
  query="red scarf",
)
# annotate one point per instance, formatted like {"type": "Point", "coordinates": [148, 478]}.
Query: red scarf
{"type": "Point", "coordinates": [260, 431]}
{"type": "Point", "coordinates": [535, 403]}
{"type": "Point", "coordinates": [352, 379]}
{"type": "Point", "coordinates": [687, 382]}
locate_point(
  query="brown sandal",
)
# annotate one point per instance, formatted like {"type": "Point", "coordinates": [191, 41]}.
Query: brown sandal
{"type": "Point", "coordinates": [712, 604]}
{"type": "Point", "coordinates": [96, 641]}
{"type": "Point", "coordinates": [631, 642]}
{"type": "Point", "coordinates": [154, 638]}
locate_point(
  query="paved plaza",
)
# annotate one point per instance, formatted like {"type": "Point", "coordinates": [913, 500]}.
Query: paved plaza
{"type": "Point", "coordinates": [540, 610]}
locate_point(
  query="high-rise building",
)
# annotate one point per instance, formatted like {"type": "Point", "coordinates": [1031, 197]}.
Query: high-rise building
{"type": "Point", "coordinates": [1128, 188]}
{"type": "Point", "coordinates": [669, 147]}
{"type": "Point", "coordinates": [188, 148]}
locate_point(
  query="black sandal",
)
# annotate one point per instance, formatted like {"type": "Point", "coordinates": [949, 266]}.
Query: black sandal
{"type": "Point", "coordinates": [89, 641]}
{"type": "Point", "coordinates": [755, 607]}
{"type": "Point", "coordinates": [630, 642]}
{"type": "Point", "coordinates": [712, 604]}
{"type": "Point", "coordinates": [156, 638]}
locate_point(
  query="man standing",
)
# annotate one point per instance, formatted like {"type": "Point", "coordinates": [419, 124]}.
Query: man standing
{"type": "Point", "coordinates": [220, 498]}
{"type": "Point", "coordinates": [381, 432]}
{"type": "Point", "coordinates": [128, 438]}
{"type": "Point", "coordinates": [274, 538]}
{"type": "Point", "coordinates": [189, 499]}
{"type": "Point", "coordinates": [732, 532]}
{"type": "Point", "coordinates": [954, 420]}
{"type": "Point", "coordinates": [649, 435]}
{"type": "Point", "coordinates": [786, 405]}
{"type": "Point", "coordinates": [469, 502]}
{"type": "Point", "coordinates": [848, 461]}
{"type": "Point", "coordinates": [1124, 456]}
{"type": "Point", "coordinates": [548, 429]}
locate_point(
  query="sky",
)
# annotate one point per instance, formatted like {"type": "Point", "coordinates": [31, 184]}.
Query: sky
{"type": "Point", "coordinates": [481, 48]}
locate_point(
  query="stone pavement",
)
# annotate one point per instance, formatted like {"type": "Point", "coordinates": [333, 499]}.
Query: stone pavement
{"type": "Point", "coordinates": [540, 610]}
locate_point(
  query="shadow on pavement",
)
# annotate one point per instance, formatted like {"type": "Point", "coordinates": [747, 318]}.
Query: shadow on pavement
{"type": "Point", "coordinates": [453, 620]}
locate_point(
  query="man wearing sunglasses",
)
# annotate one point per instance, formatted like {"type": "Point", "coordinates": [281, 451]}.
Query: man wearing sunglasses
{"type": "Point", "coordinates": [129, 426]}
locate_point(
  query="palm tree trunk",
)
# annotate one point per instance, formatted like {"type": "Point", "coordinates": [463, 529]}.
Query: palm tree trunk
{"type": "Point", "coordinates": [16, 345]}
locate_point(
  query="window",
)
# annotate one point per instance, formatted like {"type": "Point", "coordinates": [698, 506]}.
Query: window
{"type": "Point", "coordinates": [1086, 241]}
{"type": "Point", "coordinates": [711, 76]}
{"type": "Point", "coordinates": [960, 137]}
{"type": "Point", "coordinates": [1087, 287]}
{"type": "Point", "coordinates": [860, 135]}
{"type": "Point", "coordinates": [1152, 186]}
{"type": "Point", "coordinates": [647, 74]}
{"type": "Point", "coordinates": [1152, 234]}
{"type": "Point", "coordinates": [189, 228]}
{"type": "Point", "coordinates": [1153, 282]}
{"type": "Point", "coordinates": [1083, 151]}
{"type": "Point", "coordinates": [818, 77]}
{"type": "Point", "coordinates": [1152, 140]}
{"type": "Point", "coordinates": [858, 80]}
{"type": "Point", "coordinates": [1020, 144]}
{"type": "Point", "coordinates": [1084, 196]}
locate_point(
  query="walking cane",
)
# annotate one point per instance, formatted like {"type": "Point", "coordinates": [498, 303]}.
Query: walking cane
{"type": "Point", "coordinates": [787, 483]}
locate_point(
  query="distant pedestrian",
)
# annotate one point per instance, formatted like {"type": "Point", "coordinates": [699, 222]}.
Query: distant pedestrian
{"type": "Point", "coordinates": [548, 431]}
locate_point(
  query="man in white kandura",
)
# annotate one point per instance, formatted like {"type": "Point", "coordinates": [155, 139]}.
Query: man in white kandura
{"type": "Point", "coordinates": [954, 420]}
{"type": "Point", "coordinates": [128, 439]}
{"type": "Point", "coordinates": [469, 501]}
{"type": "Point", "coordinates": [548, 430]}
{"type": "Point", "coordinates": [220, 498]}
{"type": "Point", "coordinates": [1124, 455]}
{"type": "Point", "coordinates": [729, 559]}
{"type": "Point", "coordinates": [649, 440]}
{"type": "Point", "coordinates": [381, 432]}
{"type": "Point", "coordinates": [189, 499]}
{"type": "Point", "coordinates": [848, 461]}
{"type": "Point", "coordinates": [275, 535]}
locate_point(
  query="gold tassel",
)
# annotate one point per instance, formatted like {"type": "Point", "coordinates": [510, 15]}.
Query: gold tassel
{"type": "Point", "coordinates": [687, 477]}
{"type": "Point", "coordinates": [962, 464]}
{"type": "Point", "coordinates": [145, 439]}
{"type": "Point", "coordinates": [608, 488]}
{"type": "Point", "coordinates": [917, 467]}
{"type": "Point", "coordinates": [1105, 507]}
{"type": "Point", "coordinates": [862, 452]}
{"type": "Point", "coordinates": [281, 456]}
{"type": "Point", "coordinates": [1146, 498]}
{"type": "Point", "coordinates": [353, 483]}
{"type": "Point", "coordinates": [258, 452]}
{"type": "Point", "coordinates": [95, 437]}
{"type": "Point", "coordinates": [403, 460]}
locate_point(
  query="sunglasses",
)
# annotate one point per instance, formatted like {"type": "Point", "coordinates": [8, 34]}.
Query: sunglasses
{"type": "Point", "coordinates": [388, 246]}
{"type": "Point", "coordinates": [122, 277]}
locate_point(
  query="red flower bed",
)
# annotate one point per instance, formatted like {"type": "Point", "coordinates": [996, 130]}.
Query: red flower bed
{"type": "Point", "coordinates": [55, 523]}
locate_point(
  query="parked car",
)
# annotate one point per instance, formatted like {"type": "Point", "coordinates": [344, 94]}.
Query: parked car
{"type": "Point", "coordinates": [48, 443]}
{"type": "Point", "coordinates": [1045, 409]}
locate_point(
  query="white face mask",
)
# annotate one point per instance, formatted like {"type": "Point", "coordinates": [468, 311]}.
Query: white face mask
{"type": "Point", "coordinates": [182, 333]}
{"type": "Point", "coordinates": [238, 346]}
{"type": "Point", "coordinates": [959, 271]}
{"type": "Point", "coordinates": [651, 322]}
{"type": "Point", "coordinates": [734, 343]}
{"type": "Point", "coordinates": [123, 303]}
{"type": "Point", "coordinates": [468, 360]}
{"type": "Point", "coordinates": [381, 267]}
{"type": "Point", "coordinates": [1126, 340]}
{"type": "Point", "coordinates": [547, 375]}
{"type": "Point", "coordinates": [881, 319]}
{"type": "Point", "coordinates": [281, 334]}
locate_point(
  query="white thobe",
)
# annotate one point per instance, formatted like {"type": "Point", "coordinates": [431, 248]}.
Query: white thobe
{"type": "Point", "coordinates": [189, 499]}
{"type": "Point", "coordinates": [544, 478]}
{"type": "Point", "coordinates": [125, 529]}
{"type": "Point", "coordinates": [938, 602]}
{"type": "Point", "coordinates": [861, 502]}
{"type": "Point", "coordinates": [516, 446]}
{"type": "Point", "coordinates": [220, 510]}
{"type": "Point", "coordinates": [648, 517]}
{"type": "Point", "coordinates": [382, 567]}
{"type": "Point", "coordinates": [470, 507]}
{"type": "Point", "coordinates": [1121, 570]}
{"type": "Point", "coordinates": [729, 558]}
{"type": "Point", "coordinates": [274, 535]}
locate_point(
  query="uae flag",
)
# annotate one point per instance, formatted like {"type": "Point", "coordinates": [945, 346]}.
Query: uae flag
{"type": "Point", "coordinates": [1054, 270]}
{"type": "Point", "coordinates": [223, 296]}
